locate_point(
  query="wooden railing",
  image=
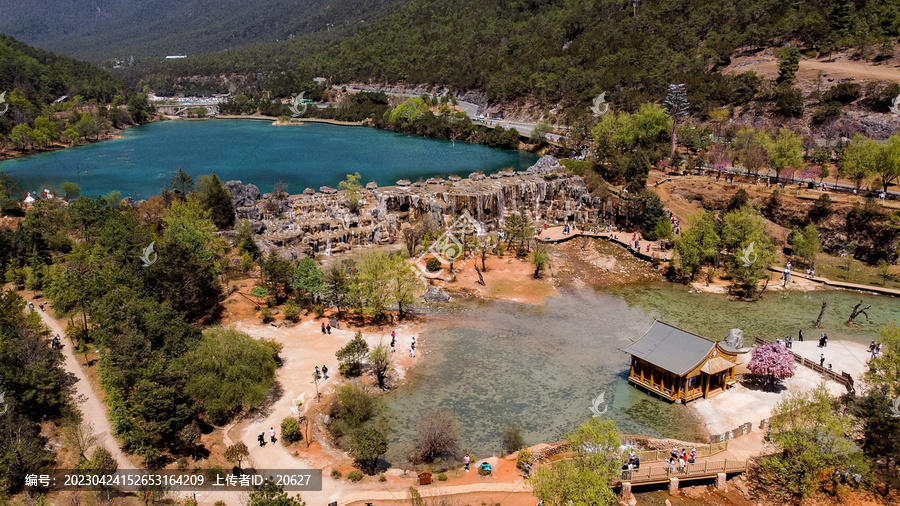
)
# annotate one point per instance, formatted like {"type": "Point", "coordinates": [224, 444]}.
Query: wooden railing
{"type": "Point", "coordinates": [649, 456]}
{"type": "Point", "coordinates": [842, 378]}
{"type": "Point", "coordinates": [704, 469]}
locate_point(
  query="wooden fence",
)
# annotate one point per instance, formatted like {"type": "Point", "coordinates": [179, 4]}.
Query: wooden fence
{"type": "Point", "coordinates": [744, 428]}
{"type": "Point", "coordinates": [691, 471]}
{"type": "Point", "coordinates": [648, 456]}
{"type": "Point", "coordinates": [842, 378]}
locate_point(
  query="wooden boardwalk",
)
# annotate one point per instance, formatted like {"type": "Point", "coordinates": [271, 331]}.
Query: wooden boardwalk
{"type": "Point", "coordinates": [881, 290]}
{"type": "Point", "coordinates": [701, 470]}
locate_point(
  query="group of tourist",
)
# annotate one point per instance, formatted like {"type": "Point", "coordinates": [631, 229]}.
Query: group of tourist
{"type": "Point", "coordinates": [875, 349]}
{"type": "Point", "coordinates": [412, 344]}
{"type": "Point", "coordinates": [319, 374]}
{"type": "Point", "coordinates": [262, 436]}
{"type": "Point", "coordinates": [681, 460]}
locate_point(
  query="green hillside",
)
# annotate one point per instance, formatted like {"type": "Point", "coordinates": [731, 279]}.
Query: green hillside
{"type": "Point", "coordinates": [103, 30]}
{"type": "Point", "coordinates": [568, 51]}
{"type": "Point", "coordinates": [32, 80]}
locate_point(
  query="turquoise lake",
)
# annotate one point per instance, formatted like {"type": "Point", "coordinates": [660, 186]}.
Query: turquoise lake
{"type": "Point", "coordinates": [142, 162]}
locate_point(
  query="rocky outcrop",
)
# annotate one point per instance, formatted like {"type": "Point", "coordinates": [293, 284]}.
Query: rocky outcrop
{"type": "Point", "coordinates": [242, 195]}
{"type": "Point", "coordinates": [735, 339]}
{"type": "Point", "coordinates": [435, 294]}
{"type": "Point", "coordinates": [323, 223]}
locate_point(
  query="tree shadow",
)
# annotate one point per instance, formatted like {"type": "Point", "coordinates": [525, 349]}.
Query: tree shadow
{"type": "Point", "coordinates": [265, 409]}
{"type": "Point", "coordinates": [761, 383]}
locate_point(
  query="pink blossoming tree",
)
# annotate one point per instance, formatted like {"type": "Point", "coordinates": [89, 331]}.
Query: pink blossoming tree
{"type": "Point", "coordinates": [772, 360]}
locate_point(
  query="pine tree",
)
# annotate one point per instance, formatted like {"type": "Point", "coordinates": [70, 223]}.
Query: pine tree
{"type": "Point", "coordinates": [676, 104]}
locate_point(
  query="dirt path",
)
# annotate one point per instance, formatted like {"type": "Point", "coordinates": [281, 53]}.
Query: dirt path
{"type": "Point", "coordinates": [838, 67]}
{"type": "Point", "coordinates": [93, 410]}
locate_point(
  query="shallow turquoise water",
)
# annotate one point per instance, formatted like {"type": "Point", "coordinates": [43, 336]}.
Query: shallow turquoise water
{"type": "Point", "coordinates": [144, 160]}
{"type": "Point", "coordinates": [494, 363]}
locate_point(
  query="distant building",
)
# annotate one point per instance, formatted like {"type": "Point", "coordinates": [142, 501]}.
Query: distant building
{"type": "Point", "coordinates": [678, 365]}
{"type": "Point", "coordinates": [176, 57]}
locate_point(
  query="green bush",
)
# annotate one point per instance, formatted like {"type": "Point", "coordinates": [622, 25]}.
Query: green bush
{"type": "Point", "coordinates": [523, 457]}
{"type": "Point", "coordinates": [355, 475]}
{"type": "Point", "coordinates": [290, 431]}
{"type": "Point", "coordinates": [291, 311]}
{"type": "Point", "coordinates": [319, 310]}
{"type": "Point", "coordinates": [442, 477]}
{"type": "Point", "coordinates": [265, 315]}
{"type": "Point", "coordinates": [336, 474]}
{"type": "Point", "coordinates": [433, 264]}
{"type": "Point", "coordinates": [382, 478]}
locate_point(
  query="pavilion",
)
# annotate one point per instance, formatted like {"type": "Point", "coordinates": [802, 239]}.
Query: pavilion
{"type": "Point", "coordinates": [679, 365]}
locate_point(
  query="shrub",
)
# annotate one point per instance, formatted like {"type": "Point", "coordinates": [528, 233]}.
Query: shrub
{"type": "Point", "coordinates": [382, 478]}
{"type": "Point", "coordinates": [291, 311]}
{"type": "Point", "coordinates": [442, 477]}
{"type": "Point", "coordinates": [181, 463]}
{"type": "Point", "coordinates": [265, 314]}
{"type": "Point", "coordinates": [433, 264]}
{"type": "Point", "coordinates": [523, 457]}
{"type": "Point", "coordinates": [319, 310]}
{"type": "Point", "coordinates": [789, 102]}
{"type": "Point", "coordinates": [259, 292]}
{"type": "Point", "coordinates": [355, 475]}
{"type": "Point", "coordinates": [290, 431]}
{"type": "Point", "coordinates": [437, 434]}
{"type": "Point", "coordinates": [843, 92]}
{"type": "Point", "coordinates": [483, 472]}
{"type": "Point", "coordinates": [336, 474]}
{"type": "Point", "coordinates": [511, 436]}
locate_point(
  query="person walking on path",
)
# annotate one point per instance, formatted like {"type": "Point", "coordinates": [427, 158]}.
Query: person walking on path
{"type": "Point", "coordinates": [325, 371]}
{"type": "Point", "coordinates": [412, 350]}
{"type": "Point", "coordinates": [800, 335]}
{"type": "Point", "coordinates": [323, 328]}
{"type": "Point", "coordinates": [272, 434]}
{"type": "Point", "coordinates": [328, 329]}
{"type": "Point", "coordinates": [527, 470]}
{"type": "Point", "coordinates": [317, 373]}
{"type": "Point", "coordinates": [467, 460]}
{"type": "Point", "coordinates": [822, 360]}
{"type": "Point", "coordinates": [261, 438]}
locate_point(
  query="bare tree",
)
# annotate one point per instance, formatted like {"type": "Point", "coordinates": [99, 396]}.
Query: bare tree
{"type": "Point", "coordinates": [437, 434]}
{"type": "Point", "coordinates": [856, 312]}
{"type": "Point", "coordinates": [80, 436]}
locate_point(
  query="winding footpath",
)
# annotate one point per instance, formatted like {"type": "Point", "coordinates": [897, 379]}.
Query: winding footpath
{"type": "Point", "coordinates": [93, 410]}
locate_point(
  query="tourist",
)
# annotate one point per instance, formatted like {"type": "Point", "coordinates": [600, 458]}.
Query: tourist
{"type": "Point", "coordinates": [693, 455]}
{"type": "Point", "coordinates": [41, 305]}
{"type": "Point", "coordinates": [328, 329]}
{"type": "Point", "coordinates": [878, 349]}
{"type": "Point", "coordinates": [323, 328]}
{"type": "Point", "coordinates": [789, 342]}
{"type": "Point", "coordinates": [527, 470]}
{"type": "Point", "coordinates": [829, 366]}
{"type": "Point", "coordinates": [412, 350]}
{"type": "Point", "coordinates": [393, 344]}
{"type": "Point", "coordinates": [467, 460]}
{"type": "Point", "coordinates": [316, 373]}
{"type": "Point", "coordinates": [822, 360]}
{"type": "Point", "coordinates": [872, 347]}
{"type": "Point", "coordinates": [272, 434]}
{"type": "Point", "coordinates": [325, 371]}
{"type": "Point", "coordinates": [261, 438]}
{"type": "Point", "coordinates": [822, 340]}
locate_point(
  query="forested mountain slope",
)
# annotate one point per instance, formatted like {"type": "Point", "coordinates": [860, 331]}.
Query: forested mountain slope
{"type": "Point", "coordinates": [567, 51]}
{"type": "Point", "coordinates": [103, 29]}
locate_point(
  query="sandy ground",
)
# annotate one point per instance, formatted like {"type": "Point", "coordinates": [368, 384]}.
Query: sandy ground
{"type": "Point", "coordinates": [506, 278]}
{"type": "Point", "coordinates": [837, 67]}
{"type": "Point", "coordinates": [742, 404]}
